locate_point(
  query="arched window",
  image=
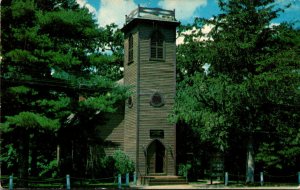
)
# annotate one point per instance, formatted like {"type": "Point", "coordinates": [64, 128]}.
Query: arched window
{"type": "Point", "coordinates": [157, 45]}
{"type": "Point", "coordinates": [130, 49]}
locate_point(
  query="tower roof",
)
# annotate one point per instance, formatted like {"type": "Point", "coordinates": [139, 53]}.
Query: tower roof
{"type": "Point", "coordinates": [150, 14]}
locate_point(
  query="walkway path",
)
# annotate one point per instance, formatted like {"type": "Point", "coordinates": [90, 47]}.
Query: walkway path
{"type": "Point", "coordinates": [210, 187]}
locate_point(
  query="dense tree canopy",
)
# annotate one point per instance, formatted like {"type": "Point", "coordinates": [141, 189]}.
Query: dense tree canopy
{"type": "Point", "coordinates": [55, 70]}
{"type": "Point", "coordinates": [249, 95]}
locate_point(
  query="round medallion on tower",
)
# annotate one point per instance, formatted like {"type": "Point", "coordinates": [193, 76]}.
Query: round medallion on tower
{"type": "Point", "coordinates": [157, 100]}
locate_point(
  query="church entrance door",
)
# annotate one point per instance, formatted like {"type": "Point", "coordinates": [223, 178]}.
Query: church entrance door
{"type": "Point", "coordinates": [156, 158]}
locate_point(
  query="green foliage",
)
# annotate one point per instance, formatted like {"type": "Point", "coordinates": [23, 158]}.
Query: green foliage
{"type": "Point", "coordinates": [48, 169]}
{"type": "Point", "coordinates": [119, 162]}
{"type": "Point", "coordinates": [23, 10]}
{"type": "Point", "coordinates": [183, 169]}
{"type": "Point", "coordinates": [32, 120]}
{"type": "Point", "coordinates": [8, 155]}
{"type": "Point", "coordinates": [55, 78]}
{"type": "Point", "coordinates": [205, 104]}
{"type": "Point", "coordinates": [108, 164]}
{"type": "Point", "coordinates": [56, 106]}
{"type": "Point", "coordinates": [77, 24]}
{"type": "Point", "coordinates": [251, 86]}
{"type": "Point", "coordinates": [19, 90]}
{"type": "Point", "coordinates": [123, 163]}
{"type": "Point", "coordinates": [4, 127]}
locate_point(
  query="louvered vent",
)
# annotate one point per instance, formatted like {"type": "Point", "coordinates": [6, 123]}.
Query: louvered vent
{"type": "Point", "coordinates": [130, 49]}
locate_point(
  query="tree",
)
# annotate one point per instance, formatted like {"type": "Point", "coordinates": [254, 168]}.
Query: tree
{"type": "Point", "coordinates": [252, 85]}
{"type": "Point", "coordinates": [53, 70]}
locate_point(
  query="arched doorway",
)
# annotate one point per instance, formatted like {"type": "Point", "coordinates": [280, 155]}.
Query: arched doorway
{"type": "Point", "coordinates": [156, 158]}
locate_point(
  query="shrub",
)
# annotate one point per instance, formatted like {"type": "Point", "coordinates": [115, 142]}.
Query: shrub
{"type": "Point", "coordinates": [183, 169]}
{"type": "Point", "coordinates": [123, 163]}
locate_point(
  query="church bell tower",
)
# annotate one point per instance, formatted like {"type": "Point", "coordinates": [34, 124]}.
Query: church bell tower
{"type": "Point", "coordinates": [150, 70]}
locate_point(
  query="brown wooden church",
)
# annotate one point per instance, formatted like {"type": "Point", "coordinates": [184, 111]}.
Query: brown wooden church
{"type": "Point", "coordinates": [142, 130]}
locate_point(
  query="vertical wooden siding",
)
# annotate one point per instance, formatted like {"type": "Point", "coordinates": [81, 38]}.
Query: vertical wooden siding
{"type": "Point", "coordinates": [130, 78]}
{"type": "Point", "coordinates": [112, 131]}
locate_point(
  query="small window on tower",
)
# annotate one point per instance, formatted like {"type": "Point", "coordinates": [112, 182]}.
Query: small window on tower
{"type": "Point", "coordinates": [157, 46]}
{"type": "Point", "coordinates": [129, 102]}
{"type": "Point", "coordinates": [130, 49]}
{"type": "Point", "coordinates": [157, 100]}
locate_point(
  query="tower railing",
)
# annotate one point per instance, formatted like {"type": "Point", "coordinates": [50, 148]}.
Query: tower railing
{"type": "Point", "coordinates": [162, 14]}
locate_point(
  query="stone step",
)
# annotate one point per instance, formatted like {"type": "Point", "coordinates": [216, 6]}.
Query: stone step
{"type": "Point", "coordinates": [167, 183]}
{"type": "Point", "coordinates": [157, 174]}
{"type": "Point", "coordinates": [164, 180]}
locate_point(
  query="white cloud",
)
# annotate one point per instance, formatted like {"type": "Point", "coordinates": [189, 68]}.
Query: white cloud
{"type": "Point", "coordinates": [205, 30]}
{"type": "Point", "coordinates": [114, 11]}
{"type": "Point", "coordinates": [295, 4]}
{"type": "Point", "coordinates": [273, 24]}
{"type": "Point", "coordinates": [184, 9]}
{"type": "Point", "coordinates": [83, 3]}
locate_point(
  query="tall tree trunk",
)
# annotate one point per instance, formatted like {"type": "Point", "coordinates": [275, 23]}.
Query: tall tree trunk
{"type": "Point", "coordinates": [33, 153]}
{"type": "Point", "coordinates": [250, 161]}
{"type": "Point", "coordinates": [23, 158]}
{"type": "Point", "coordinates": [58, 155]}
{"type": "Point", "coordinates": [33, 164]}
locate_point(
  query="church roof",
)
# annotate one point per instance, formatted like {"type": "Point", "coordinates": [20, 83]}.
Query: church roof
{"type": "Point", "coordinates": [120, 82]}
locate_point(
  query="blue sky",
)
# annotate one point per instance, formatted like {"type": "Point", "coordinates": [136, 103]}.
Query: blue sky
{"type": "Point", "coordinates": [108, 11]}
